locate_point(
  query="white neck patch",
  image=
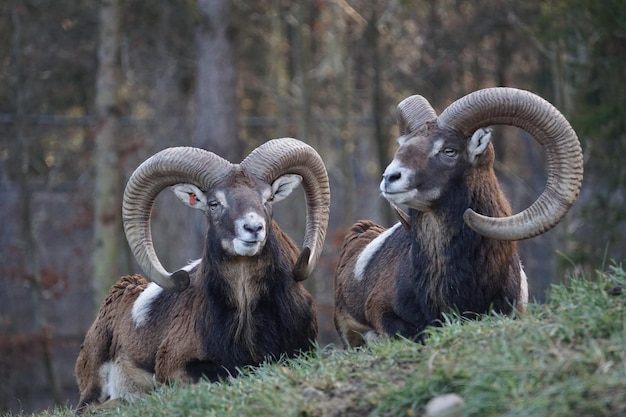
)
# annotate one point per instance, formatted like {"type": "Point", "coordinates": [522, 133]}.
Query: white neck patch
{"type": "Point", "coordinates": [141, 306]}
{"type": "Point", "coordinates": [191, 265]}
{"type": "Point", "coordinates": [370, 250]}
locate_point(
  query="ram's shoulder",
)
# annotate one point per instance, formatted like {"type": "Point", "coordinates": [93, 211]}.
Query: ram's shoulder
{"type": "Point", "coordinates": [363, 231]}
{"type": "Point", "coordinates": [129, 286]}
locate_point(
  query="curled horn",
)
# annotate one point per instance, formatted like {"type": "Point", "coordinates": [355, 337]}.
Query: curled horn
{"type": "Point", "coordinates": [412, 113]}
{"type": "Point", "coordinates": [168, 167]}
{"type": "Point", "coordinates": [290, 156]}
{"type": "Point", "coordinates": [549, 127]}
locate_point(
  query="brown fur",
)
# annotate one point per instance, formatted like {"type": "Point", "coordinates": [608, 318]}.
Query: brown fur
{"type": "Point", "coordinates": [377, 304]}
{"type": "Point", "coordinates": [161, 350]}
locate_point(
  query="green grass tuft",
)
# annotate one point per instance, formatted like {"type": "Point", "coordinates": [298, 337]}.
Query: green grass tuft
{"type": "Point", "coordinates": [564, 358]}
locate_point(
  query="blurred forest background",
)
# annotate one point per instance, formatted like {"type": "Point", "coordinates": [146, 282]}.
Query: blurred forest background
{"type": "Point", "coordinates": [89, 89]}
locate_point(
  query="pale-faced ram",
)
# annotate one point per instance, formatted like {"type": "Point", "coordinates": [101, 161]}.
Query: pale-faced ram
{"type": "Point", "coordinates": [240, 304]}
{"type": "Point", "coordinates": [443, 256]}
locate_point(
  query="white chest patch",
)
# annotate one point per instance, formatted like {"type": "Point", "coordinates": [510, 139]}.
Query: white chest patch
{"type": "Point", "coordinates": [369, 251]}
{"type": "Point", "coordinates": [143, 303]}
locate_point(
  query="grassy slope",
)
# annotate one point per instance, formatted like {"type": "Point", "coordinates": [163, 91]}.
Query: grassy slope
{"type": "Point", "coordinates": [564, 358]}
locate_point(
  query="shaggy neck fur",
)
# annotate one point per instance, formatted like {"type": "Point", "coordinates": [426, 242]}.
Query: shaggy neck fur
{"type": "Point", "coordinates": [454, 266]}
{"type": "Point", "coordinates": [248, 307]}
{"type": "Point", "coordinates": [239, 282]}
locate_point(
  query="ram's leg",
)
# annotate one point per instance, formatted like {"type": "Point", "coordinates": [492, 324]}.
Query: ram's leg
{"type": "Point", "coordinates": [88, 364]}
{"type": "Point", "coordinates": [124, 380]}
{"type": "Point", "coordinates": [172, 359]}
{"type": "Point", "coordinates": [390, 324]}
{"type": "Point", "coordinates": [352, 332]}
{"type": "Point", "coordinates": [118, 380]}
{"type": "Point", "coordinates": [171, 370]}
{"type": "Point", "coordinates": [97, 407]}
{"type": "Point", "coordinates": [90, 395]}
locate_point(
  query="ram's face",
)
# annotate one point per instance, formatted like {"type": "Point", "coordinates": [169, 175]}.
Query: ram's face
{"type": "Point", "coordinates": [240, 217]}
{"type": "Point", "coordinates": [239, 210]}
{"type": "Point", "coordinates": [427, 165]}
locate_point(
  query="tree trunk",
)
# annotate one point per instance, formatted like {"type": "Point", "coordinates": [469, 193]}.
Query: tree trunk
{"type": "Point", "coordinates": [216, 115]}
{"type": "Point", "coordinates": [178, 232]}
{"type": "Point", "coordinates": [345, 142]}
{"type": "Point", "coordinates": [108, 170]}
{"type": "Point", "coordinates": [33, 267]}
{"type": "Point", "coordinates": [301, 63]}
{"type": "Point", "coordinates": [278, 74]}
{"type": "Point", "coordinates": [378, 107]}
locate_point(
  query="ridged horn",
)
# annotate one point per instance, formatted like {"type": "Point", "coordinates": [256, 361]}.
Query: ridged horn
{"type": "Point", "coordinates": [166, 168]}
{"type": "Point", "coordinates": [290, 156]}
{"type": "Point", "coordinates": [510, 106]}
{"type": "Point", "coordinates": [413, 112]}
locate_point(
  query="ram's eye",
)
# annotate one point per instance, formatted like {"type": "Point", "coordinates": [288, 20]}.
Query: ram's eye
{"type": "Point", "coordinates": [450, 152]}
{"type": "Point", "coordinates": [213, 205]}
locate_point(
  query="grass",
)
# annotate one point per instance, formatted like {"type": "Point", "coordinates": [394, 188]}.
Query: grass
{"type": "Point", "coordinates": [564, 358]}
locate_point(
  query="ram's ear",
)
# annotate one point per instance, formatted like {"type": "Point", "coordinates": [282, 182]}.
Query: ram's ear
{"type": "Point", "coordinates": [190, 195]}
{"type": "Point", "coordinates": [283, 186]}
{"type": "Point", "coordinates": [478, 143]}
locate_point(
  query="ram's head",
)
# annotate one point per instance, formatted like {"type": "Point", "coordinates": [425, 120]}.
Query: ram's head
{"type": "Point", "coordinates": [236, 198]}
{"type": "Point", "coordinates": [436, 150]}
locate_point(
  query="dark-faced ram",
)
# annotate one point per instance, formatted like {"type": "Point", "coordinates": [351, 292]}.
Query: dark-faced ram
{"type": "Point", "coordinates": [240, 304]}
{"type": "Point", "coordinates": [444, 256]}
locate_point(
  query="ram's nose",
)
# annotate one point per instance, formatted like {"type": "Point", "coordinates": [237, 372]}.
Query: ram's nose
{"type": "Point", "coordinates": [389, 178]}
{"type": "Point", "coordinates": [253, 227]}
